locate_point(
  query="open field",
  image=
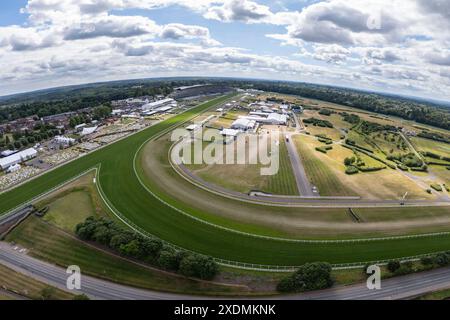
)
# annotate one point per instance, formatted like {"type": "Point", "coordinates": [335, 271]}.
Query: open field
{"type": "Point", "coordinates": [28, 287]}
{"type": "Point", "coordinates": [70, 210]}
{"type": "Point", "coordinates": [247, 177]}
{"type": "Point", "coordinates": [427, 145]}
{"type": "Point", "coordinates": [126, 195]}
{"type": "Point", "coordinates": [48, 243]}
{"type": "Point", "coordinates": [319, 172]}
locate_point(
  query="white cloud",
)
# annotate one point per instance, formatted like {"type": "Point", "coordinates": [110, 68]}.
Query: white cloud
{"type": "Point", "coordinates": [395, 44]}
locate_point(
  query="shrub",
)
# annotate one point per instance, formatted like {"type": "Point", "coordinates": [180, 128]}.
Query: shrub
{"type": "Point", "coordinates": [405, 268]}
{"type": "Point", "coordinates": [310, 276]}
{"type": "Point", "coordinates": [436, 187]}
{"type": "Point", "coordinates": [168, 259]}
{"type": "Point", "coordinates": [121, 238]}
{"type": "Point", "coordinates": [131, 249]}
{"type": "Point", "coordinates": [393, 265]}
{"type": "Point", "coordinates": [351, 170]}
{"type": "Point", "coordinates": [286, 284]}
{"type": "Point", "coordinates": [349, 161]}
{"type": "Point", "coordinates": [426, 261]}
{"type": "Point", "coordinates": [325, 112]}
{"type": "Point", "coordinates": [441, 259]}
{"type": "Point", "coordinates": [199, 266]}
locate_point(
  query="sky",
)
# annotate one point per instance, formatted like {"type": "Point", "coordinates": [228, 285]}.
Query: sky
{"type": "Point", "coordinates": [396, 46]}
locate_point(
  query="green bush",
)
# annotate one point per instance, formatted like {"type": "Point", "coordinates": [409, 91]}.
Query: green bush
{"type": "Point", "coordinates": [351, 170]}
{"type": "Point", "coordinates": [436, 187]}
{"type": "Point", "coordinates": [393, 265]}
{"type": "Point", "coordinates": [441, 259]}
{"type": "Point", "coordinates": [199, 266]}
{"type": "Point", "coordinates": [426, 261]}
{"type": "Point", "coordinates": [310, 276]}
{"type": "Point", "coordinates": [405, 268]}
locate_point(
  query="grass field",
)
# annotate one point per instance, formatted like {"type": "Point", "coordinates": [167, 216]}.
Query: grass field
{"type": "Point", "coordinates": [247, 177]}
{"type": "Point", "coordinates": [124, 192]}
{"type": "Point", "coordinates": [28, 287]}
{"type": "Point", "coordinates": [284, 181]}
{"type": "Point", "coordinates": [319, 172]}
{"type": "Point", "coordinates": [70, 210]}
{"type": "Point", "coordinates": [48, 243]}
{"type": "Point", "coordinates": [422, 144]}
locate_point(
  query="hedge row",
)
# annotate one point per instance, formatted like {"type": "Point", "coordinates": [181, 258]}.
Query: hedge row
{"type": "Point", "coordinates": [151, 250]}
{"type": "Point", "coordinates": [324, 149]}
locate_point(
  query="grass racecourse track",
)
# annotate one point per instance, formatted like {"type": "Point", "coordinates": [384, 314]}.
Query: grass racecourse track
{"type": "Point", "coordinates": [124, 192]}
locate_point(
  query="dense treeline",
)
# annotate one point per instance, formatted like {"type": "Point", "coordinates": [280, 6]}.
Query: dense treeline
{"type": "Point", "coordinates": [75, 98]}
{"type": "Point", "coordinates": [318, 122]}
{"type": "Point", "coordinates": [150, 250]}
{"type": "Point", "coordinates": [422, 112]}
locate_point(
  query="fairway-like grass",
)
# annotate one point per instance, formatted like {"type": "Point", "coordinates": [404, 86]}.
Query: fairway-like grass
{"type": "Point", "coordinates": [69, 210]}
{"type": "Point", "coordinates": [319, 172]}
{"type": "Point", "coordinates": [247, 177]}
{"type": "Point", "coordinates": [284, 181]}
{"type": "Point", "coordinates": [124, 192]}
{"type": "Point", "coordinates": [440, 148]}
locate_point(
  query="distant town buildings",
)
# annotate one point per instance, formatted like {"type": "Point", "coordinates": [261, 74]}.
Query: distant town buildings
{"type": "Point", "coordinates": [65, 141]}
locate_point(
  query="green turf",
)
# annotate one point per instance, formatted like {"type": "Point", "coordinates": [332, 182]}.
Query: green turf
{"type": "Point", "coordinates": [284, 181]}
{"type": "Point", "coordinates": [71, 209]}
{"type": "Point", "coordinates": [124, 192]}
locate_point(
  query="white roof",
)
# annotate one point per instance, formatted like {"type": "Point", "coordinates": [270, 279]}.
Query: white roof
{"type": "Point", "coordinates": [64, 139]}
{"type": "Point", "coordinates": [243, 122]}
{"type": "Point", "coordinates": [17, 157]}
{"type": "Point", "coordinates": [87, 131]}
{"type": "Point", "coordinates": [80, 126]}
{"type": "Point", "coordinates": [6, 153]}
{"type": "Point", "coordinates": [277, 117]}
{"type": "Point", "coordinates": [229, 132]}
{"type": "Point", "coordinates": [156, 104]}
{"type": "Point", "coordinates": [192, 127]}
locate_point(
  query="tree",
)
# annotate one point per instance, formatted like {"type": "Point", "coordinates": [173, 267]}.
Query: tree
{"type": "Point", "coordinates": [349, 161]}
{"type": "Point", "coordinates": [102, 235]}
{"type": "Point", "coordinates": [393, 265]}
{"type": "Point", "coordinates": [441, 259]}
{"type": "Point", "coordinates": [131, 249]}
{"type": "Point", "coordinates": [168, 260]}
{"type": "Point", "coordinates": [151, 248]}
{"type": "Point", "coordinates": [310, 276]}
{"type": "Point", "coordinates": [81, 297]}
{"type": "Point", "coordinates": [199, 266]}
{"type": "Point", "coordinates": [47, 293]}
{"type": "Point", "coordinates": [426, 261]}
{"type": "Point", "coordinates": [85, 230]}
{"type": "Point", "coordinates": [121, 237]}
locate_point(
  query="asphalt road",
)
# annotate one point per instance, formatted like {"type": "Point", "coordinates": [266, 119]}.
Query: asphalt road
{"type": "Point", "coordinates": [304, 186]}
{"type": "Point", "coordinates": [403, 287]}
